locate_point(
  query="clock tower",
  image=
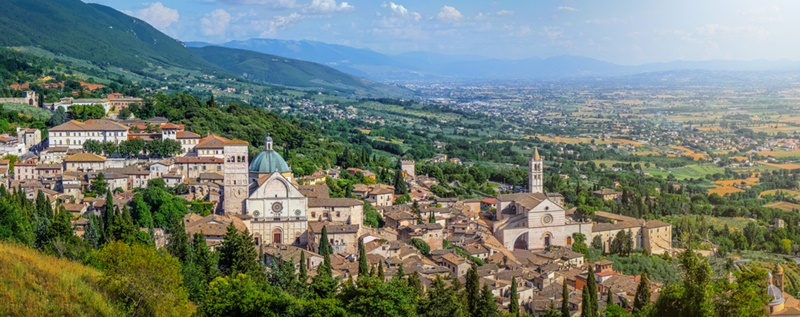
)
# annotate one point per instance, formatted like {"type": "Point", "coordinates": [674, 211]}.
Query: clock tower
{"type": "Point", "coordinates": [235, 177]}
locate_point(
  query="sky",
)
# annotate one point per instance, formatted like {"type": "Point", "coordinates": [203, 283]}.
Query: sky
{"type": "Point", "coordinates": [623, 32]}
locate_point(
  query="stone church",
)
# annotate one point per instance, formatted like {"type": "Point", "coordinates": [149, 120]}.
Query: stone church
{"type": "Point", "coordinates": [276, 210]}
{"type": "Point", "coordinates": [535, 220]}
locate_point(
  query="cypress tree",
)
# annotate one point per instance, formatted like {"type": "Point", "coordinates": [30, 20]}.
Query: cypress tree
{"type": "Point", "coordinates": [400, 274]}
{"type": "Point", "coordinates": [565, 300]}
{"type": "Point", "coordinates": [642, 297]}
{"type": "Point", "coordinates": [302, 277]}
{"type": "Point", "coordinates": [325, 248]}
{"type": "Point", "coordinates": [513, 307]}
{"type": "Point", "coordinates": [472, 288]}
{"type": "Point", "coordinates": [363, 267]}
{"type": "Point", "coordinates": [609, 298]}
{"type": "Point", "coordinates": [591, 285]}
{"type": "Point", "coordinates": [586, 303]}
{"type": "Point", "coordinates": [415, 284]}
{"type": "Point", "coordinates": [381, 275]}
{"type": "Point", "coordinates": [432, 217]}
{"type": "Point", "coordinates": [486, 306]}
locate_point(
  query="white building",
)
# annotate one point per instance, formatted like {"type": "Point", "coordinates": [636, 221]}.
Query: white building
{"type": "Point", "coordinates": [74, 133]}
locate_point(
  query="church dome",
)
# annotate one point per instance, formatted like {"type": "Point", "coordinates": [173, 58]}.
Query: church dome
{"type": "Point", "coordinates": [269, 162]}
{"type": "Point", "coordinates": [776, 295]}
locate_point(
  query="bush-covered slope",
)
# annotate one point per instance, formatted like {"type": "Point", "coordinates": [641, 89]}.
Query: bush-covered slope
{"type": "Point", "coordinates": [33, 284]}
{"type": "Point", "coordinates": [91, 32]}
{"type": "Point", "coordinates": [283, 71]}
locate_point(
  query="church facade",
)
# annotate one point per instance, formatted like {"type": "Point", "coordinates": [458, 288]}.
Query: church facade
{"type": "Point", "coordinates": [534, 220]}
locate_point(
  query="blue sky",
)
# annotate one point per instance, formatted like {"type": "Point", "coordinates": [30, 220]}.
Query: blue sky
{"type": "Point", "coordinates": [625, 32]}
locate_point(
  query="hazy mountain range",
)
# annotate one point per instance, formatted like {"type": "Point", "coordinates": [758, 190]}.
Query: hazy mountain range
{"type": "Point", "coordinates": [433, 66]}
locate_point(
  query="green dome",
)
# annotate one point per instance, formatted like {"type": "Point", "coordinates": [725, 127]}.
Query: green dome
{"type": "Point", "coordinates": [268, 162]}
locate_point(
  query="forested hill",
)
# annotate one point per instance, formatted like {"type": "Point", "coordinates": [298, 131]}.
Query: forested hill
{"type": "Point", "coordinates": [91, 32]}
{"type": "Point", "coordinates": [288, 72]}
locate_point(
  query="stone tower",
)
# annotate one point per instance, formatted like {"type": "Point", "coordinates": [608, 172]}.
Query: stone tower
{"type": "Point", "coordinates": [407, 166]}
{"type": "Point", "coordinates": [778, 279]}
{"type": "Point", "coordinates": [535, 177]}
{"type": "Point", "coordinates": [235, 176]}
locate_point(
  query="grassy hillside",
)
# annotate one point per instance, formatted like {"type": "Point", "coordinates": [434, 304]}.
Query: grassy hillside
{"type": "Point", "coordinates": [293, 73]}
{"type": "Point", "coordinates": [33, 284]}
{"type": "Point", "coordinates": [91, 32]}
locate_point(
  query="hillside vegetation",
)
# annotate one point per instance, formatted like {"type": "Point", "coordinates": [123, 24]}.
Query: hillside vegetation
{"type": "Point", "coordinates": [33, 284]}
{"type": "Point", "coordinates": [91, 32]}
{"type": "Point", "coordinates": [288, 72]}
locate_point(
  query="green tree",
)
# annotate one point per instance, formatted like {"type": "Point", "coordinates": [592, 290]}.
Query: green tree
{"type": "Point", "coordinates": [513, 307]}
{"type": "Point", "coordinates": [642, 297]}
{"type": "Point", "coordinates": [179, 245]}
{"type": "Point", "coordinates": [745, 296]}
{"type": "Point", "coordinates": [591, 288]}
{"type": "Point", "coordinates": [442, 301]}
{"type": "Point", "coordinates": [586, 303]}
{"type": "Point", "coordinates": [371, 296]}
{"type": "Point", "coordinates": [472, 287]}
{"type": "Point", "coordinates": [565, 300]}
{"type": "Point", "coordinates": [237, 254]}
{"type": "Point", "coordinates": [93, 146]}
{"type": "Point", "coordinates": [99, 186]}
{"type": "Point", "coordinates": [363, 267]}
{"type": "Point", "coordinates": [487, 306]}
{"type": "Point", "coordinates": [148, 282]}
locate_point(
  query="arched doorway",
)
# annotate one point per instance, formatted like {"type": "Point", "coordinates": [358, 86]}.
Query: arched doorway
{"type": "Point", "coordinates": [522, 242]}
{"type": "Point", "coordinates": [277, 235]}
{"type": "Point", "coordinates": [548, 239]}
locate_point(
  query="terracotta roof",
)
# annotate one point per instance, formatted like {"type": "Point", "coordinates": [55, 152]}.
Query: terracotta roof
{"type": "Point", "coordinates": [656, 224]}
{"type": "Point", "coordinates": [527, 200]}
{"type": "Point", "coordinates": [85, 157]}
{"type": "Point", "coordinates": [89, 125]}
{"type": "Point", "coordinates": [213, 225]}
{"type": "Point", "coordinates": [237, 142]}
{"type": "Point", "coordinates": [186, 135]}
{"type": "Point", "coordinates": [212, 142]}
{"type": "Point", "coordinates": [195, 159]}
{"type": "Point", "coordinates": [334, 202]}
{"type": "Point", "coordinates": [169, 126]}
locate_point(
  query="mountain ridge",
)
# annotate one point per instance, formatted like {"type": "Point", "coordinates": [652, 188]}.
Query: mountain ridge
{"type": "Point", "coordinates": [436, 66]}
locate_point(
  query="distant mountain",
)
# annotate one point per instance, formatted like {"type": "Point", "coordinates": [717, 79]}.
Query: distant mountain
{"type": "Point", "coordinates": [91, 32]}
{"type": "Point", "coordinates": [438, 67]}
{"type": "Point", "coordinates": [289, 72]}
{"type": "Point", "coordinates": [354, 61]}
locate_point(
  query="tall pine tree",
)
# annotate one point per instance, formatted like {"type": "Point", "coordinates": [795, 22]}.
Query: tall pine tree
{"type": "Point", "coordinates": [363, 267]}
{"type": "Point", "coordinates": [513, 307]}
{"type": "Point", "coordinates": [565, 300]}
{"type": "Point", "coordinates": [472, 287]}
{"type": "Point", "coordinates": [591, 285]}
{"type": "Point", "coordinates": [642, 297]}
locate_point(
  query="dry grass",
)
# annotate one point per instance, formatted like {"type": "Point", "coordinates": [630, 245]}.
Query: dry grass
{"type": "Point", "coordinates": [730, 182]}
{"type": "Point", "coordinates": [782, 166]}
{"type": "Point", "coordinates": [690, 153]}
{"type": "Point", "coordinates": [722, 190]}
{"type": "Point", "coordinates": [782, 205]}
{"type": "Point", "coordinates": [33, 284]}
{"type": "Point", "coordinates": [779, 153]}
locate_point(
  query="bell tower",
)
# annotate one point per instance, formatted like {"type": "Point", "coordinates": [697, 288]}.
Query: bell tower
{"type": "Point", "coordinates": [535, 173]}
{"type": "Point", "coordinates": [236, 185]}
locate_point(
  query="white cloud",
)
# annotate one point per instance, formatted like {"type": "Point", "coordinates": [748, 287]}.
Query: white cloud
{"type": "Point", "coordinates": [215, 23]}
{"type": "Point", "coordinates": [504, 13]}
{"type": "Point", "coordinates": [565, 8]}
{"type": "Point", "coordinates": [278, 23]}
{"type": "Point", "coordinates": [400, 10]}
{"type": "Point", "coordinates": [271, 4]}
{"type": "Point", "coordinates": [157, 15]}
{"type": "Point", "coordinates": [328, 6]}
{"type": "Point", "coordinates": [449, 14]}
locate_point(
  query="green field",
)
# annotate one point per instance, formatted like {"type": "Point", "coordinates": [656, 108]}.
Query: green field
{"type": "Point", "coordinates": [686, 172]}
